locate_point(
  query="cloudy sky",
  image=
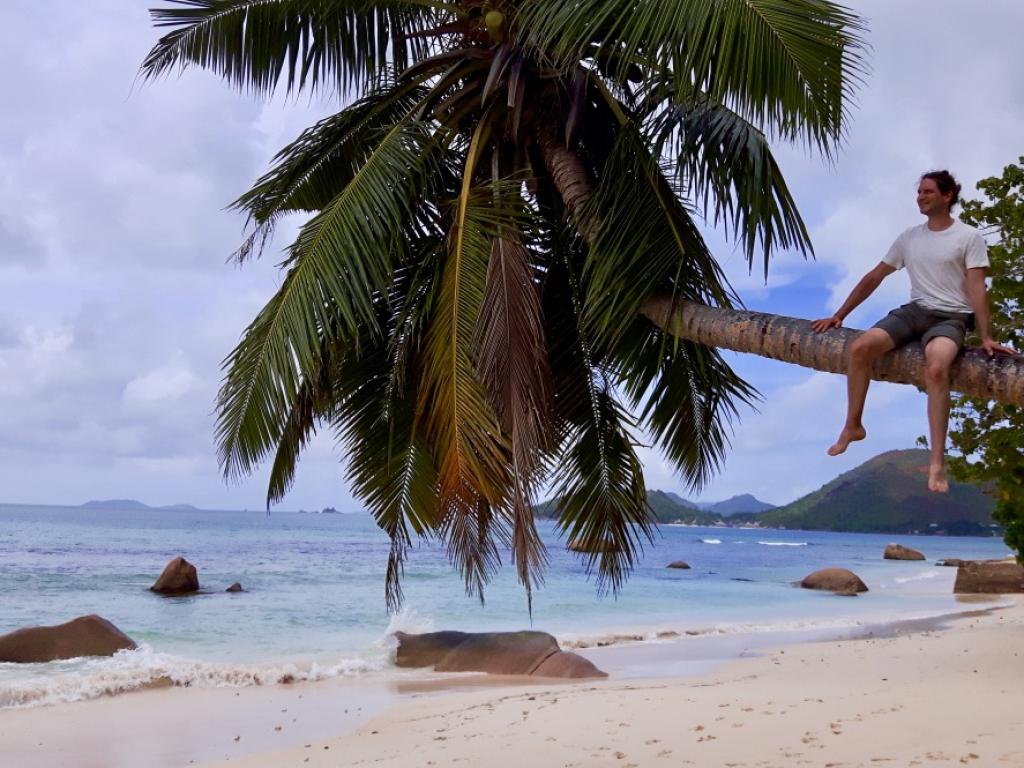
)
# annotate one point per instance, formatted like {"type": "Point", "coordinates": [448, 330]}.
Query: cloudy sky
{"type": "Point", "coordinates": [118, 304]}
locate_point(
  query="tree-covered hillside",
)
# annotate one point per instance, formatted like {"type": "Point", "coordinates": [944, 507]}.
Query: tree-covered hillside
{"type": "Point", "coordinates": [886, 494]}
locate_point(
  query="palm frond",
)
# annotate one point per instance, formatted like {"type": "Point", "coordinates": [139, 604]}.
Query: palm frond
{"type": "Point", "coordinates": [389, 466]}
{"type": "Point", "coordinates": [645, 242]}
{"type": "Point", "coordinates": [602, 499]}
{"type": "Point", "coordinates": [341, 260]}
{"type": "Point", "coordinates": [598, 478]}
{"type": "Point", "coordinates": [313, 403]}
{"type": "Point", "coordinates": [790, 65]}
{"type": "Point", "coordinates": [471, 452]}
{"type": "Point", "coordinates": [336, 45]}
{"type": "Point", "coordinates": [308, 173]}
{"type": "Point", "coordinates": [721, 158]}
{"type": "Point", "coordinates": [513, 367]}
{"type": "Point", "coordinates": [688, 397]}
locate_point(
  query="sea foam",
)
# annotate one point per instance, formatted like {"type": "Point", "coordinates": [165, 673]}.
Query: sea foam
{"type": "Point", "coordinates": [90, 678]}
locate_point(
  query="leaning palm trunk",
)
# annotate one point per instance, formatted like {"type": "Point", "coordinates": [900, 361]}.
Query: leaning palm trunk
{"type": "Point", "coordinates": [793, 341]}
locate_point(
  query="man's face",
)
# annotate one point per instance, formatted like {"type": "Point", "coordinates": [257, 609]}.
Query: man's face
{"type": "Point", "coordinates": [930, 200]}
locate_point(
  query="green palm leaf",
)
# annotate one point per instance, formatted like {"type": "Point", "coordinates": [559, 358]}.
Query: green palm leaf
{"type": "Point", "coordinates": [687, 396]}
{"type": "Point", "coordinates": [390, 467]}
{"type": "Point", "coordinates": [790, 65]}
{"type": "Point", "coordinates": [339, 45]}
{"type": "Point", "coordinates": [721, 158]}
{"type": "Point", "coordinates": [341, 260]}
{"type": "Point", "coordinates": [313, 403]}
{"type": "Point", "coordinates": [600, 489]}
{"type": "Point", "coordinates": [471, 452]}
{"type": "Point", "coordinates": [598, 479]}
{"type": "Point", "coordinates": [645, 242]}
{"type": "Point", "coordinates": [308, 173]}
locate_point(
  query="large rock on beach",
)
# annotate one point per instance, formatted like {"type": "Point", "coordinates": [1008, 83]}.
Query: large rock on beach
{"type": "Point", "coordinates": [178, 578]}
{"type": "Point", "coordinates": [680, 564]}
{"type": "Point", "coordinates": [85, 636]}
{"type": "Point", "coordinates": [899, 552]}
{"type": "Point", "coordinates": [496, 653]}
{"type": "Point", "coordinates": [838, 580]}
{"type": "Point", "coordinates": [994, 577]}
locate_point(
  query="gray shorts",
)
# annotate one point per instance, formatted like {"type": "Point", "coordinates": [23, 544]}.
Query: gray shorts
{"type": "Point", "coordinates": [912, 321]}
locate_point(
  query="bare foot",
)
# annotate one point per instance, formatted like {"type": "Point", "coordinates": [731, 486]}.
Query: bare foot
{"type": "Point", "coordinates": [847, 436]}
{"type": "Point", "coordinates": [937, 481]}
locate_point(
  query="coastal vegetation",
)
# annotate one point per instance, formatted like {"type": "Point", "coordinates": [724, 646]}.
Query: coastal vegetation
{"type": "Point", "coordinates": [508, 184]}
{"type": "Point", "coordinates": [886, 495]}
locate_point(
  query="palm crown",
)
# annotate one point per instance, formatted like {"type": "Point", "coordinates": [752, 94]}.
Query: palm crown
{"type": "Point", "coordinates": [509, 182]}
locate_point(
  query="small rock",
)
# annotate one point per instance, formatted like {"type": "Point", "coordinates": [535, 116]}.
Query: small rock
{"type": "Point", "coordinates": [236, 587]}
{"type": "Point", "coordinates": [834, 580]}
{"type": "Point", "coordinates": [899, 552]}
{"type": "Point", "coordinates": [681, 564]}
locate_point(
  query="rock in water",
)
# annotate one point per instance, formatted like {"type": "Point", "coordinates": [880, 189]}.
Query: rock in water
{"type": "Point", "coordinates": [899, 552]}
{"type": "Point", "coordinates": [499, 653]}
{"type": "Point", "coordinates": [236, 587]}
{"type": "Point", "coordinates": [955, 562]}
{"type": "Point", "coordinates": [85, 636]}
{"type": "Point", "coordinates": [179, 577]}
{"type": "Point", "coordinates": [834, 580]}
{"type": "Point", "coordinates": [681, 564]}
{"type": "Point", "coordinates": [994, 577]}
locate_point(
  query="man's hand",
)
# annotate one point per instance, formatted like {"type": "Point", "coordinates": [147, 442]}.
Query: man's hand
{"type": "Point", "coordinates": [991, 346]}
{"type": "Point", "coordinates": [820, 326]}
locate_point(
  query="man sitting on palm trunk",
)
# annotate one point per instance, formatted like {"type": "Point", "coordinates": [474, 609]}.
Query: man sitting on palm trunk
{"type": "Point", "coordinates": [946, 261]}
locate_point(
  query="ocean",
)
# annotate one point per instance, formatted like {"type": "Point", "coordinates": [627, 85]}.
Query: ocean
{"type": "Point", "coordinates": [314, 601]}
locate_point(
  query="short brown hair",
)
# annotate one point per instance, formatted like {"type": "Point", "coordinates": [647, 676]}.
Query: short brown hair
{"type": "Point", "coordinates": [946, 183]}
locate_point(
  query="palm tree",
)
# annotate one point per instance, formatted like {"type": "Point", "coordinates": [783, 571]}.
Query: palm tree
{"type": "Point", "coordinates": [509, 182]}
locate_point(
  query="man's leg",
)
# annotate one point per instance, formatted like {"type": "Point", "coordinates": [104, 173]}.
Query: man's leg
{"type": "Point", "coordinates": [939, 354]}
{"type": "Point", "coordinates": [866, 348]}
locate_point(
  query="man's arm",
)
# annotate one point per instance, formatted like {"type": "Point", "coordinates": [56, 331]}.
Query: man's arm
{"type": "Point", "coordinates": [860, 292]}
{"type": "Point", "coordinates": [977, 295]}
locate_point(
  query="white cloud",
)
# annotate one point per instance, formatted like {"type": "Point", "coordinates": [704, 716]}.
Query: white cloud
{"type": "Point", "coordinates": [159, 387]}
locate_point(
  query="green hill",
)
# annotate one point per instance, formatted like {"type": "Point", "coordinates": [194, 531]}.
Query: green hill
{"type": "Point", "coordinates": [737, 505]}
{"type": "Point", "coordinates": [887, 494]}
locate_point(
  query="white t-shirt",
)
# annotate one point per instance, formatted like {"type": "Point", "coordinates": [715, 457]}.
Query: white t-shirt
{"type": "Point", "coordinates": [937, 263]}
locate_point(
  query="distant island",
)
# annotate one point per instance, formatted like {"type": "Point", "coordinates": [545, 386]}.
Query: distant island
{"type": "Point", "coordinates": [886, 494]}
{"type": "Point", "coordinates": [133, 504]}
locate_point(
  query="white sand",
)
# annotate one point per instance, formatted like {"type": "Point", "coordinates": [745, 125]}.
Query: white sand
{"type": "Point", "coordinates": [921, 698]}
{"type": "Point", "coordinates": [924, 698]}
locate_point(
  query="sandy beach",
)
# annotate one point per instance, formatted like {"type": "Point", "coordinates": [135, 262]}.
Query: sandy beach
{"type": "Point", "coordinates": [918, 694]}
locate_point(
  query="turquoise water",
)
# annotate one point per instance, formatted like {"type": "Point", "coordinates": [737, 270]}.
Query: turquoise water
{"type": "Point", "coordinates": [314, 600]}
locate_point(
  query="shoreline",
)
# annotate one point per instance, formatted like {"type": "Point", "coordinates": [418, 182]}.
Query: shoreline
{"type": "Point", "coordinates": [182, 725]}
{"type": "Point", "coordinates": [945, 695]}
